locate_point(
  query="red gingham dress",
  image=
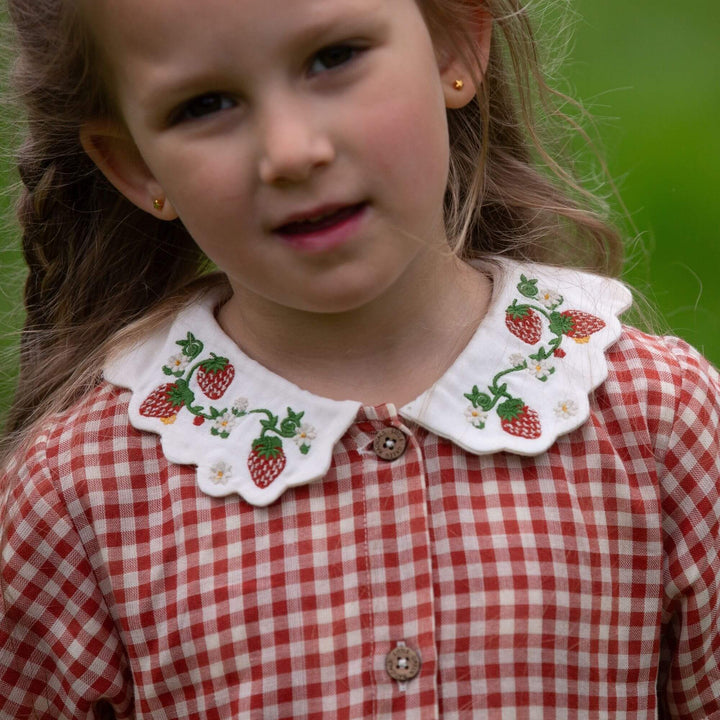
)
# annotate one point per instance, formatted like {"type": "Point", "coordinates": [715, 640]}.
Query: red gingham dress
{"type": "Point", "coordinates": [578, 582]}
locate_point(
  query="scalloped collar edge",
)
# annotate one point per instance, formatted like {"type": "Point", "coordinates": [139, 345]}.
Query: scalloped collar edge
{"type": "Point", "coordinates": [521, 382]}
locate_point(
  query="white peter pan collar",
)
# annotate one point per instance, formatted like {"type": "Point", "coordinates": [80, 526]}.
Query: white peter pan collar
{"type": "Point", "coordinates": [522, 381]}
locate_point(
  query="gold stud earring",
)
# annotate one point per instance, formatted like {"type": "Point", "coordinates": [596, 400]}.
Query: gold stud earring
{"type": "Point", "coordinates": [458, 84]}
{"type": "Point", "coordinates": [158, 204]}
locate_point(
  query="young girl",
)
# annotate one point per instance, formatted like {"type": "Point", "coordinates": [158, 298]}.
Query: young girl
{"type": "Point", "coordinates": [384, 463]}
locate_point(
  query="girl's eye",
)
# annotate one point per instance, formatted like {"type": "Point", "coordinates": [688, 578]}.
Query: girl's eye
{"type": "Point", "coordinates": [204, 105]}
{"type": "Point", "coordinates": [332, 57]}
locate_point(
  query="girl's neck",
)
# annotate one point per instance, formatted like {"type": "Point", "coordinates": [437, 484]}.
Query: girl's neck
{"type": "Point", "coordinates": [388, 351]}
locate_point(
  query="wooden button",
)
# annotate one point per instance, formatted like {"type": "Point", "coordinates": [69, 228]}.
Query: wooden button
{"type": "Point", "coordinates": [389, 443]}
{"type": "Point", "coordinates": [402, 663]}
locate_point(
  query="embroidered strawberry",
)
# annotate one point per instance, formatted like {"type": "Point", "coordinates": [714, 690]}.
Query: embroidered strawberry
{"type": "Point", "coordinates": [524, 323]}
{"type": "Point", "coordinates": [577, 324]}
{"type": "Point", "coordinates": [266, 460]}
{"type": "Point", "coordinates": [519, 420]}
{"type": "Point", "coordinates": [214, 376]}
{"type": "Point", "coordinates": [163, 402]}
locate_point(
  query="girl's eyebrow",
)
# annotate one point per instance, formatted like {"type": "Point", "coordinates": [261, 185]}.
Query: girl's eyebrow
{"type": "Point", "coordinates": [336, 19]}
{"type": "Point", "coordinates": [356, 19]}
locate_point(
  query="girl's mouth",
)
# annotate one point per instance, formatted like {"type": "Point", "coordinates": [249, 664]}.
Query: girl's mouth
{"type": "Point", "coordinates": [320, 222]}
{"type": "Point", "coordinates": [324, 230]}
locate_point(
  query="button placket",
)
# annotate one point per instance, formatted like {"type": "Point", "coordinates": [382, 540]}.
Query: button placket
{"type": "Point", "coordinates": [399, 568]}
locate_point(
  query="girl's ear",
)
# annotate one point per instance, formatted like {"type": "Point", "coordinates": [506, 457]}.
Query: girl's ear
{"type": "Point", "coordinates": [461, 82]}
{"type": "Point", "coordinates": [114, 152]}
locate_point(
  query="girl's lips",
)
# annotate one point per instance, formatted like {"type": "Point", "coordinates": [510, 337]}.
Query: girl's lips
{"type": "Point", "coordinates": [328, 231]}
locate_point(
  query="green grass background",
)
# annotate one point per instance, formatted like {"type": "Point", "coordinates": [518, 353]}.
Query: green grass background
{"type": "Point", "coordinates": [650, 73]}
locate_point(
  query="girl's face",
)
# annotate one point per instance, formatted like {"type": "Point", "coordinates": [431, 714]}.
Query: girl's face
{"type": "Point", "coordinates": [303, 143]}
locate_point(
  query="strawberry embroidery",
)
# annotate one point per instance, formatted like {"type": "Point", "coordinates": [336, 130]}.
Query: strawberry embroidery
{"type": "Point", "coordinates": [214, 376]}
{"type": "Point", "coordinates": [577, 324]}
{"type": "Point", "coordinates": [267, 460]}
{"type": "Point", "coordinates": [524, 323]}
{"type": "Point", "coordinates": [164, 402]}
{"type": "Point", "coordinates": [267, 456]}
{"type": "Point", "coordinates": [518, 419]}
{"type": "Point", "coordinates": [525, 319]}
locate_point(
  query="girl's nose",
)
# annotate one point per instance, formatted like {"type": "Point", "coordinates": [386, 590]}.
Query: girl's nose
{"type": "Point", "coordinates": [292, 147]}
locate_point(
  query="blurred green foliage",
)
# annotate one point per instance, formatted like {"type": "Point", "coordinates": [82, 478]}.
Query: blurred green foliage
{"type": "Point", "coordinates": [650, 74]}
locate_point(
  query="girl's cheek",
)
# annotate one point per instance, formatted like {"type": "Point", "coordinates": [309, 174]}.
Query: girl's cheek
{"type": "Point", "coordinates": [409, 133]}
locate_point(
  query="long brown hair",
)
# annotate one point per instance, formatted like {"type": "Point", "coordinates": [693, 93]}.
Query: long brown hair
{"type": "Point", "coordinates": [97, 264]}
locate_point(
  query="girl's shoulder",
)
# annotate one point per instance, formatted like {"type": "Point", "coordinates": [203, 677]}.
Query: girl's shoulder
{"type": "Point", "coordinates": [660, 366]}
{"type": "Point", "coordinates": [89, 434]}
{"type": "Point", "coordinates": [661, 387]}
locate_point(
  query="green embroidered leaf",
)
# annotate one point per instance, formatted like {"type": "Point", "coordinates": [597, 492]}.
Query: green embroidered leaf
{"type": "Point", "coordinates": [561, 324]}
{"type": "Point", "coordinates": [270, 423]}
{"type": "Point", "coordinates": [518, 312]}
{"type": "Point", "coordinates": [180, 393]}
{"type": "Point", "coordinates": [498, 390]}
{"type": "Point", "coordinates": [304, 449]}
{"type": "Point", "coordinates": [288, 428]}
{"type": "Point", "coordinates": [215, 413]}
{"type": "Point", "coordinates": [267, 447]}
{"type": "Point", "coordinates": [191, 346]}
{"type": "Point", "coordinates": [541, 354]}
{"type": "Point", "coordinates": [527, 288]}
{"type": "Point", "coordinates": [295, 417]}
{"type": "Point", "coordinates": [215, 364]}
{"type": "Point", "coordinates": [479, 400]}
{"type": "Point", "coordinates": [511, 409]}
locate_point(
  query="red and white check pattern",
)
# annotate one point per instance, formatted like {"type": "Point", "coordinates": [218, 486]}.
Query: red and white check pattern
{"type": "Point", "coordinates": [532, 587]}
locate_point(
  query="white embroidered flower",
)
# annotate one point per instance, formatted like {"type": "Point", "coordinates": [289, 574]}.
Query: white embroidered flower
{"type": "Point", "coordinates": [220, 473]}
{"type": "Point", "coordinates": [566, 409]}
{"type": "Point", "coordinates": [476, 417]}
{"type": "Point", "coordinates": [178, 363]}
{"type": "Point", "coordinates": [240, 406]}
{"type": "Point", "coordinates": [304, 434]}
{"type": "Point", "coordinates": [549, 298]}
{"type": "Point", "coordinates": [224, 423]}
{"type": "Point", "coordinates": [517, 359]}
{"type": "Point", "coordinates": [541, 369]}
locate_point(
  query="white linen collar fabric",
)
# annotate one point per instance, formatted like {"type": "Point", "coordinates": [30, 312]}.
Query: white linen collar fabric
{"type": "Point", "coordinates": [522, 381]}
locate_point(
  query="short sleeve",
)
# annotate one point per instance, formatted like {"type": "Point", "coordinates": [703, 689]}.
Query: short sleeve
{"type": "Point", "coordinates": [60, 654]}
{"type": "Point", "coordinates": [689, 473]}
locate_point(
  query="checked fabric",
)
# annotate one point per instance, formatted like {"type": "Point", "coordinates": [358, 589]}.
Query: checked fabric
{"type": "Point", "coordinates": [579, 582]}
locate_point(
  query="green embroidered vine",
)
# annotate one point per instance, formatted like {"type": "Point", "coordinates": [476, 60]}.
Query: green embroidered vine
{"type": "Point", "coordinates": [526, 321]}
{"type": "Point", "coordinates": [214, 375]}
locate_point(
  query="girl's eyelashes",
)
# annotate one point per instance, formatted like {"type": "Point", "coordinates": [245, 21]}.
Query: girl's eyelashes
{"type": "Point", "coordinates": [329, 58]}
{"type": "Point", "coordinates": [202, 106]}
{"type": "Point", "coordinates": [333, 56]}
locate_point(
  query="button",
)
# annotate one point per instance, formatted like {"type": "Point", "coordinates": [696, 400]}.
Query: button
{"type": "Point", "coordinates": [402, 663]}
{"type": "Point", "coordinates": [389, 443]}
